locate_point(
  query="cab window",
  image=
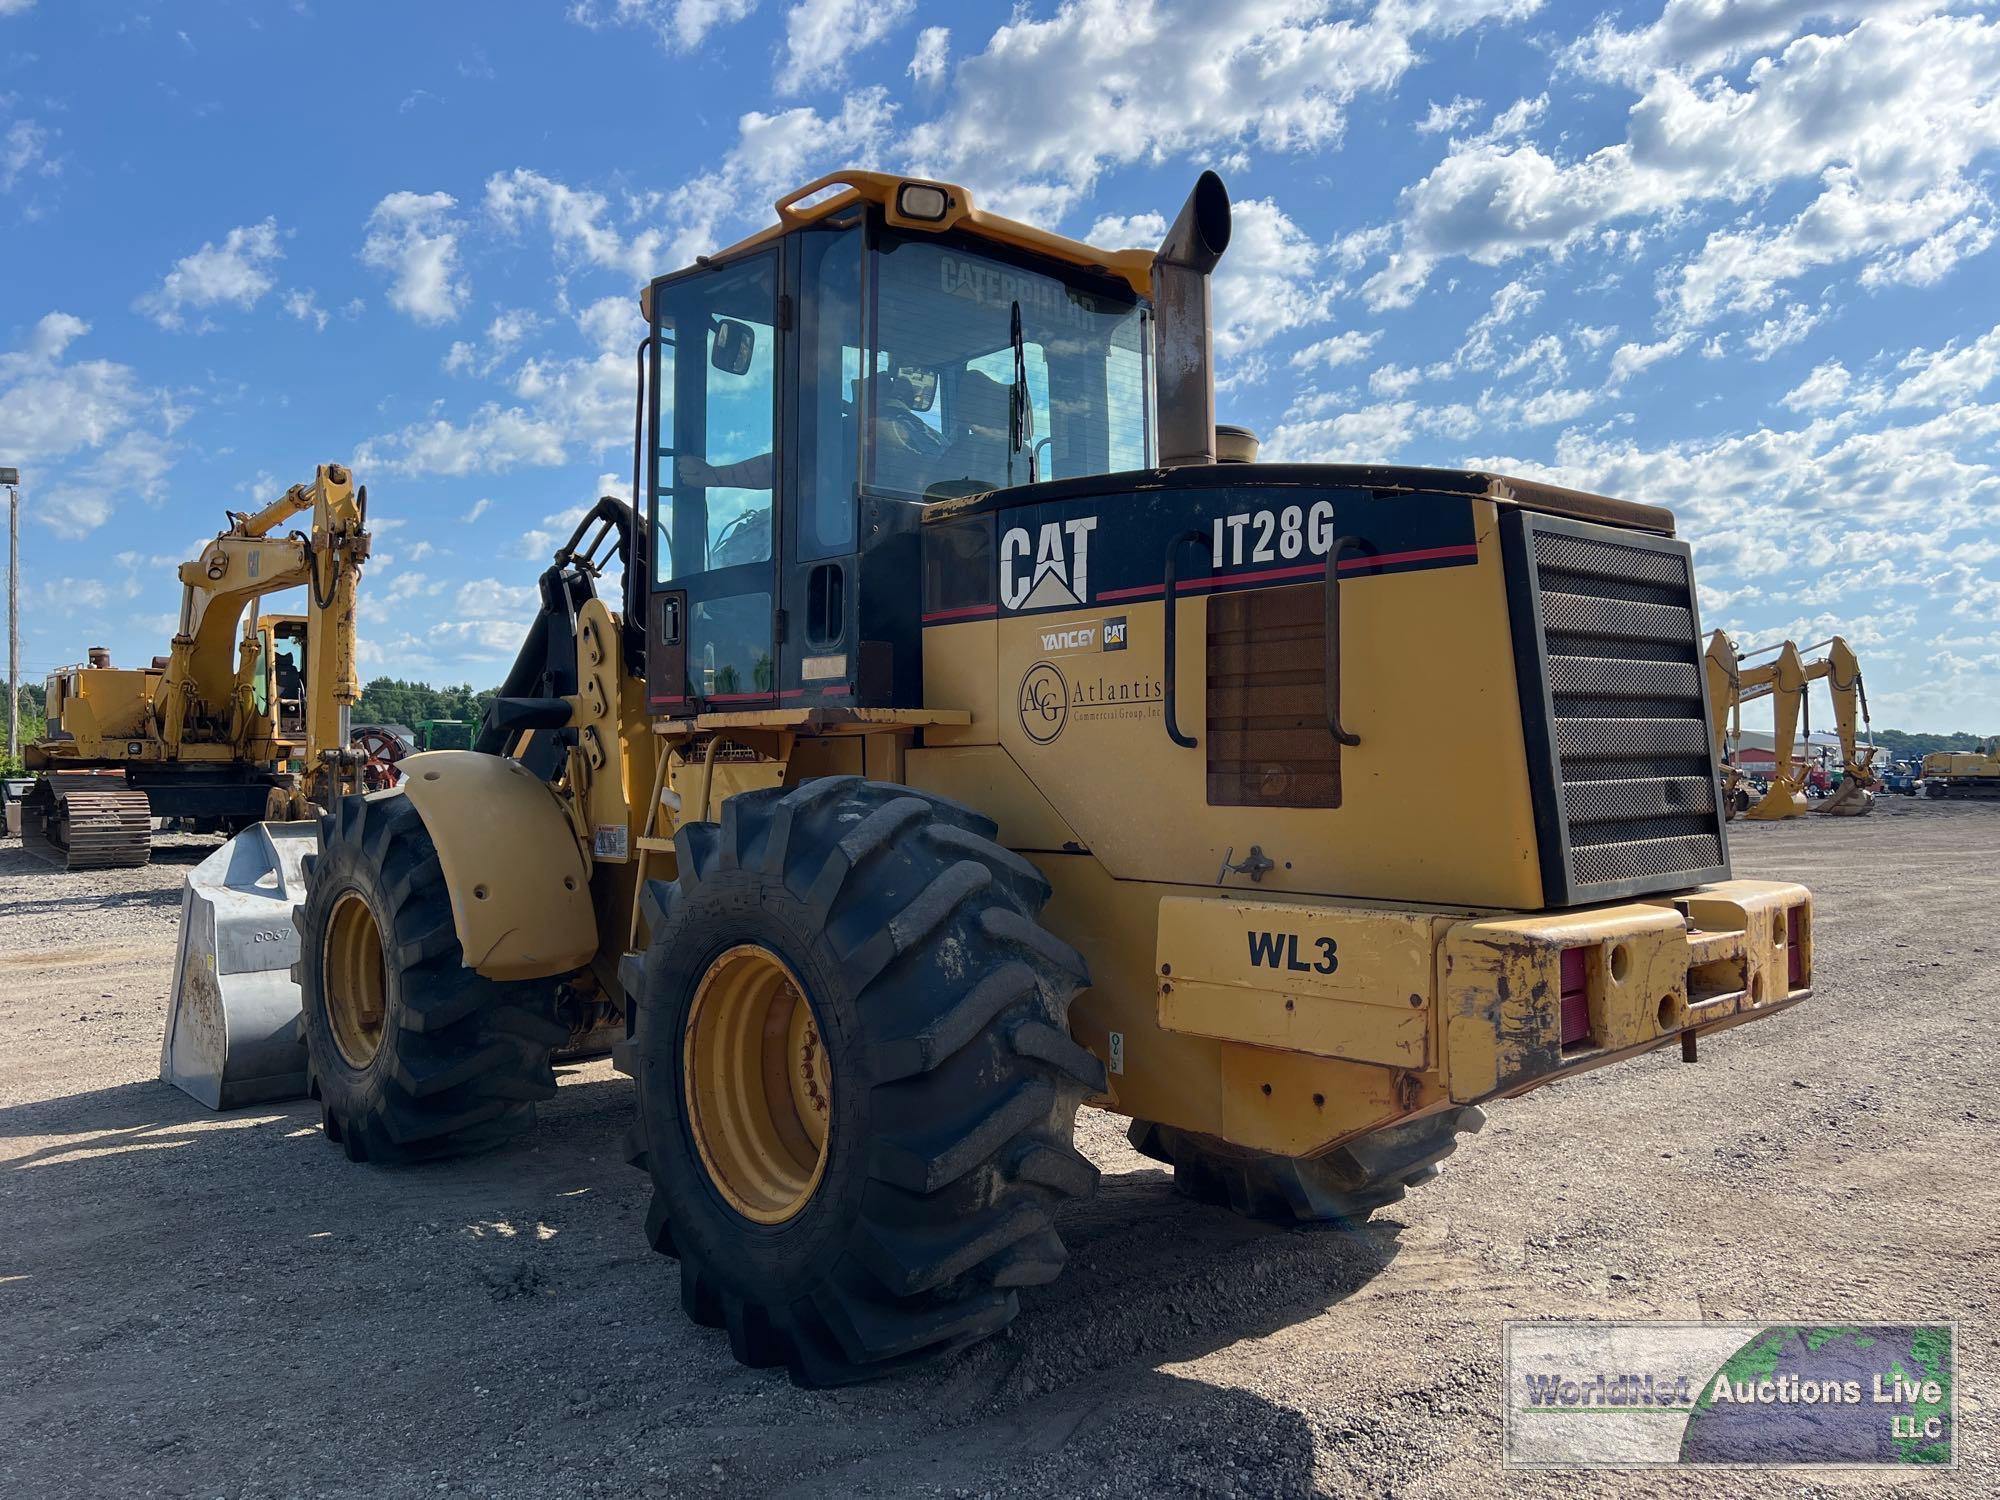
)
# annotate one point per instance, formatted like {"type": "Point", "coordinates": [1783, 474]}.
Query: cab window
{"type": "Point", "coordinates": [983, 374]}
{"type": "Point", "coordinates": [718, 402]}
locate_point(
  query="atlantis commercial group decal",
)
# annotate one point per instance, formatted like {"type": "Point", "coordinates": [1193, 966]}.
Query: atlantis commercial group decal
{"type": "Point", "coordinates": [1631, 1395]}
{"type": "Point", "coordinates": [1050, 698]}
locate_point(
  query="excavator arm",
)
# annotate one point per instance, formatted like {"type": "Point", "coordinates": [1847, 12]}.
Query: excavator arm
{"type": "Point", "coordinates": [1841, 671]}
{"type": "Point", "coordinates": [1783, 681]}
{"type": "Point", "coordinates": [198, 699]}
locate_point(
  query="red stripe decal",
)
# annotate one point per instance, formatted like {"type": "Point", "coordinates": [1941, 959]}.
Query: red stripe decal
{"type": "Point", "coordinates": [967, 612]}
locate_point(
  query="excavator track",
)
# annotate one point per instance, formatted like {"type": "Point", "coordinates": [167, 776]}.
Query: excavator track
{"type": "Point", "coordinates": [92, 830]}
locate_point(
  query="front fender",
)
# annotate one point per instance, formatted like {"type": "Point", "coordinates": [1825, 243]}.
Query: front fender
{"type": "Point", "coordinates": [520, 893]}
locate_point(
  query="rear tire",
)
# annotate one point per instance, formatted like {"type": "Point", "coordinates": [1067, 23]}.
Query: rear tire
{"type": "Point", "coordinates": [1344, 1186]}
{"type": "Point", "coordinates": [943, 1091]}
{"type": "Point", "coordinates": [411, 1055]}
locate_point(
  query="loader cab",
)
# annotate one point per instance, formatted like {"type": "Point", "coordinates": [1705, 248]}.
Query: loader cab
{"type": "Point", "coordinates": [810, 392]}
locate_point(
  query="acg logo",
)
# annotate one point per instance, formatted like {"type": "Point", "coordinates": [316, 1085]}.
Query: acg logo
{"type": "Point", "coordinates": [1044, 703]}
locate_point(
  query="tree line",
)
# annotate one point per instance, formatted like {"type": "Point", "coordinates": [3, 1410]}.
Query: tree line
{"type": "Point", "coordinates": [1902, 745]}
{"type": "Point", "coordinates": [391, 700]}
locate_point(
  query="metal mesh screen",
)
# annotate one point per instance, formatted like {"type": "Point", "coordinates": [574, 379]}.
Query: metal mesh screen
{"type": "Point", "coordinates": [1620, 669]}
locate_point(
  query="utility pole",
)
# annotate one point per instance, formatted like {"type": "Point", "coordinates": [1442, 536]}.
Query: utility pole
{"type": "Point", "coordinates": [12, 479]}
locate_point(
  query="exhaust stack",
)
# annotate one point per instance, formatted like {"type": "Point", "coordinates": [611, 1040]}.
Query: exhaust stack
{"type": "Point", "coordinates": [1182, 333]}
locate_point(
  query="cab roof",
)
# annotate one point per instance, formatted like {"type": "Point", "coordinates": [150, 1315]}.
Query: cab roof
{"type": "Point", "coordinates": [893, 194]}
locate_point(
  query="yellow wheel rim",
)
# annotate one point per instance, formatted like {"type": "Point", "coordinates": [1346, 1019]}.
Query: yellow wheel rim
{"type": "Point", "coordinates": [355, 981]}
{"type": "Point", "coordinates": [756, 1085]}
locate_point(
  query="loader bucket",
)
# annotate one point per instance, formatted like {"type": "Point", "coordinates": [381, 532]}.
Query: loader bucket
{"type": "Point", "coordinates": [232, 1024]}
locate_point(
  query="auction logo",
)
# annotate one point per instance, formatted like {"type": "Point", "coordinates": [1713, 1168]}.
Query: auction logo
{"type": "Point", "coordinates": [1627, 1395]}
{"type": "Point", "coordinates": [1044, 703]}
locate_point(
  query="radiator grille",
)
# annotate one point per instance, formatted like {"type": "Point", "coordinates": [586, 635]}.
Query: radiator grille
{"type": "Point", "coordinates": [1611, 678]}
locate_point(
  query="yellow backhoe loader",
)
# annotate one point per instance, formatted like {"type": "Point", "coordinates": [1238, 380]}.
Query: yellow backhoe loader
{"type": "Point", "coordinates": [1963, 773]}
{"type": "Point", "coordinates": [228, 728]}
{"type": "Point", "coordinates": [963, 745]}
{"type": "Point", "coordinates": [1785, 680]}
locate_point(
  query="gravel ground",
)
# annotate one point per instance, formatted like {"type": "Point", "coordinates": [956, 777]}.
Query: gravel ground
{"type": "Point", "coordinates": [194, 1304]}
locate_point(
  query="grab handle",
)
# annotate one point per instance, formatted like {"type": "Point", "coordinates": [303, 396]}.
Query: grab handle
{"type": "Point", "coordinates": [1186, 538]}
{"type": "Point", "coordinates": [1341, 544]}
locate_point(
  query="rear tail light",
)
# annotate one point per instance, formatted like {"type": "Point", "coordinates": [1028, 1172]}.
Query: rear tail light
{"type": "Point", "coordinates": [1575, 998]}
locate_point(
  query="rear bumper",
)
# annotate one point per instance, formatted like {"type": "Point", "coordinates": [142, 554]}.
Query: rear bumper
{"type": "Point", "coordinates": [1527, 1000]}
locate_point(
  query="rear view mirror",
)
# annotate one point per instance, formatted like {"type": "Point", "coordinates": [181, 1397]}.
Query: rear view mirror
{"type": "Point", "coordinates": [734, 344]}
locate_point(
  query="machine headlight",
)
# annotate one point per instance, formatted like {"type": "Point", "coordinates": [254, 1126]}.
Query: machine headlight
{"type": "Point", "coordinates": [917, 200]}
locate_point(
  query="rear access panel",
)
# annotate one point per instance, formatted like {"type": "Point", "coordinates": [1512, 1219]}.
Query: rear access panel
{"type": "Point", "coordinates": [1327, 981]}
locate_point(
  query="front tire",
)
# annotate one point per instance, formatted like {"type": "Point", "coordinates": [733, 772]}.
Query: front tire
{"type": "Point", "coordinates": [411, 1055]}
{"type": "Point", "coordinates": [866, 965]}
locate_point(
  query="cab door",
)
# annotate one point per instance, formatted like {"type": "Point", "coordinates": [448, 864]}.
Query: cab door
{"type": "Point", "coordinates": [717, 480]}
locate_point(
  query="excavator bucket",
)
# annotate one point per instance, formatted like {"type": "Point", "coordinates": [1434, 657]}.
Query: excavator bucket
{"type": "Point", "coordinates": [1851, 799]}
{"type": "Point", "coordinates": [1783, 800]}
{"type": "Point", "coordinates": [232, 1024]}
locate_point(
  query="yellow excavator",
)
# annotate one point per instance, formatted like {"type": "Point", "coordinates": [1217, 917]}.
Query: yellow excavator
{"type": "Point", "coordinates": [1963, 773]}
{"type": "Point", "coordinates": [230, 727]}
{"type": "Point", "coordinates": [1785, 680]}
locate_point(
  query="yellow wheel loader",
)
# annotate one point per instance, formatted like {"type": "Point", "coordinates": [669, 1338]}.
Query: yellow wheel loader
{"type": "Point", "coordinates": [225, 730]}
{"type": "Point", "coordinates": [963, 745]}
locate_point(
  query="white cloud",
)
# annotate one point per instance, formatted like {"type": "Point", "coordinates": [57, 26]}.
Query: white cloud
{"type": "Point", "coordinates": [1445, 117]}
{"type": "Point", "coordinates": [560, 408]}
{"type": "Point", "coordinates": [680, 24]}
{"type": "Point", "coordinates": [579, 221]}
{"type": "Point", "coordinates": [1341, 349]}
{"type": "Point", "coordinates": [1931, 261]}
{"type": "Point", "coordinates": [1695, 35]}
{"type": "Point", "coordinates": [1889, 114]}
{"type": "Point", "coordinates": [1543, 359]}
{"type": "Point", "coordinates": [1951, 374]}
{"type": "Point", "coordinates": [1827, 386]}
{"type": "Point", "coordinates": [508, 330]}
{"type": "Point", "coordinates": [1266, 284]}
{"type": "Point", "coordinates": [929, 61]}
{"type": "Point", "coordinates": [16, 7]}
{"type": "Point", "coordinates": [820, 35]}
{"type": "Point", "coordinates": [413, 238]}
{"type": "Point", "coordinates": [303, 304]}
{"type": "Point", "coordinates": [24, 152]}
{"type": "Point", "coordinates": [664, 231]}
{"type": "Point", "coordinates": [1394, 380]}
{"type": "Point", "coordinates": [80, 500]}
{"type": "Point", "coordinates": [1783, 332]}
{"type": "Point", "coordinates": [236, 272]}
{"type": "Point", "coordinates": [1050, 103]}
{"type": "Point", "coordinates": [493, 439]}
{"type": "Point", "coordinates": [50, 409]}
{"type": "Point", "coordinates": [1628, 360]}
{"type": "Point", "coordinates": [479, 508]}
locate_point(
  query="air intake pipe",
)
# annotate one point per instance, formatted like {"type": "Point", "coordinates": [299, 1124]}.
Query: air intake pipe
{"type": "Point", "coordinates": [1182, 333]}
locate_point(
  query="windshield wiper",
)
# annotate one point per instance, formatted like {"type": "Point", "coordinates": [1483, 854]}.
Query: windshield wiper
{"type": "Point", "coordinates": [1020, 410]}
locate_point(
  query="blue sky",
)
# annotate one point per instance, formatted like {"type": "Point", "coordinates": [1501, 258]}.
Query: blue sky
{"type": "Point", "coordinates": [1735, 258]}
